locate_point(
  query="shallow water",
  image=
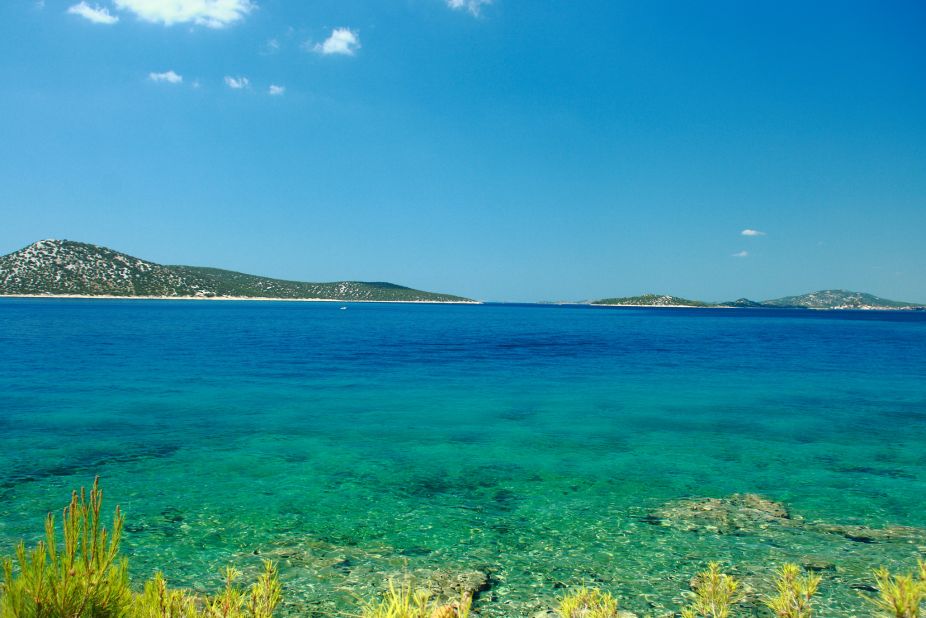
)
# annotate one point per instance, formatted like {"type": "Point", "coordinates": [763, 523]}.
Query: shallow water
{"type": "Point", "coordinates": [530, 443]}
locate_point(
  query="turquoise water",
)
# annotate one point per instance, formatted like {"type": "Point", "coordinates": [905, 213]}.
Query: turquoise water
{"type": "Point", "coordinates": [530, 443]}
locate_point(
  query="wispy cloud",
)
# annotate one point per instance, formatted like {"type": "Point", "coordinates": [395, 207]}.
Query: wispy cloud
{"type": "Point", "coordinates": [741, 254]}
{"type": "Point", "coordinates": [209, 13]}
{"type": "Point", "coordinates": [342, 41]}
{"type": "Point", "coordinates": [473, 6]}
{"type": "Point", "coordinates": [237, 83]}
{"type": "Point", "coordinates": [272, 46]}
{"type": "Point", "coordinates": [276, 91]}
{"type": "Point", "coordinates": [96, 14]}
{"type": "Point", "coordinates": [167, 76]}
{"type": "Point", "coordinates": [748, 232]}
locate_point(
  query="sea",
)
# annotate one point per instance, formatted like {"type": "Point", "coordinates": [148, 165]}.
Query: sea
{"type": "Point", "coordinates": [526, 449]}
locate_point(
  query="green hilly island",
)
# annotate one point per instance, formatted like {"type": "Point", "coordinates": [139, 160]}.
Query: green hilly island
{"type": "Point", "coordinates": [838, 299]}
{"type": "Point", "coordinates": [64, 267]}
{"type": "Point", "coordinates": [651, 300]}
{"type": "Point", "coordinates": [823, 299]}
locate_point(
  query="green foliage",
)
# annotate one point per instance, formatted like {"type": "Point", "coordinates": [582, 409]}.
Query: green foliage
{"type": "Point", "coordinates": [158, 601]}
{"type": "Point", "coordinates": [587, 603]}
{"type": "Point", "coordinates": [795, 593]}
{"type": "Point", "coordinates": [259, 602]}
{"type": "Point", "coordinates": [900, 596]}
{"type": "Point", "coordinates": [407, 602]}
{"type": "Point", "coordinates": [265, 593]}
{"type": "Point", "coordinates": [85, 577]}
{"type": "Point", "coordinates": [230, 601]}
{"type": "Point", "coordinates": [714, 594]}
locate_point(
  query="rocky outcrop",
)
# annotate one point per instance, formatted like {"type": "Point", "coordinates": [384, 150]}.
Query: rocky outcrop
{"type": "Point", "coordinates": [753, 514]}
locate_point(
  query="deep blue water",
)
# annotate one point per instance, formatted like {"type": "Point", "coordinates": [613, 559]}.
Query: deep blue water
{"type": "Point", "coordinates": [529, 442]}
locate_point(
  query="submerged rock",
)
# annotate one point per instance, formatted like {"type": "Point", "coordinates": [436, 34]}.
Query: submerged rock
{"type": "Point", "coordinates": [754, 514]}
{"type": "Point", "coordinates": [450, 585]}
{"type": "Point", "coordinates": [867, 534]}
{"type": "Point", "coordinates": [817, 565]}
{"type": "Point", "coordinates": [730, 515]}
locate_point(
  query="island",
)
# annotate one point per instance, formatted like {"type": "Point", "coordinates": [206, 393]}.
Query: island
{"type": "Point", "coordinates": [822, 299]}
{"type": "Point", "coordinates": [651, 300]}
{"type": "Point", "coordinates": [65, 268]}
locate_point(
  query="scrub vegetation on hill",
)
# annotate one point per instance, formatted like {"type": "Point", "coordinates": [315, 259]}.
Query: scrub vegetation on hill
{"type": "Point", "coordinates": [823, 299]}
{"type": "Point", "coordinates": [652, 300]}
{"type": "Point", "coordinates": [84, 575]}
{"type": "Point", "coordinates": [64, 267]}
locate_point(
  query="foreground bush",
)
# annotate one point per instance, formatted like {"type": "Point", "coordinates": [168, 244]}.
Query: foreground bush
{"type": "Point", "coordinates": [795, 593]}
{"type": "Point", "coordinates": [406, 602]}
{"type": "Point", "coordinates": [714, 594]}
{"type": "Point", "coordinates": [587, 603]}
{"type": "Point", "coordinates": [900, 596]}
{"type": "Point", "coordinates": [158, 601]}
{"type": "Point", "coordinates": [85, 577]}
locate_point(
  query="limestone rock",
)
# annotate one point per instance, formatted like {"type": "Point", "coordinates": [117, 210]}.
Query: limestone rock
{"type": "Point", "coordinates": [730, 515]}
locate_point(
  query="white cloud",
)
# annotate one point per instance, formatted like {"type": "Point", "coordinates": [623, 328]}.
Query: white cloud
{"type": "Point", "coordinates": [342, 41]}
{"type": "Point", "coordinates": [237, 83]}
{"type": "Point", "coordinates": [167, 76]}
{"type": "Point", "coordinates": [473, 6]}
{"type": "Point", "coordinates": [96, 14]}
{"type": "Point", "coordinates": [209, 13]}
{"type": "Point", "coordinates": [276, 91]}
{"type": "Point", "coordinates": [748, 232]}
{"type": "Point", "coordinates": [741, 254]}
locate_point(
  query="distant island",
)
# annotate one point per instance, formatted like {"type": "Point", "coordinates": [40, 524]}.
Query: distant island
{"type": "Point", "coordinates": [823, 299]}
{"type": "Point", "coordinates": [651, 300]}
{"type": "Point", "coordinates": [68, 268]}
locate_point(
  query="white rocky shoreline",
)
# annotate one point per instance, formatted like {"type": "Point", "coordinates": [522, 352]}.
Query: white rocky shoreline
{"type": "Point", "coordinates": [237, 298]}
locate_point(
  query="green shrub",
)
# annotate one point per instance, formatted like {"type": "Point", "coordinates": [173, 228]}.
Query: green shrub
{"type": "Point", "coordinates": [158, 601]}
{"type": "Point", "coordinates": [587, 603]}
{"type": "Point", "coordinates": [900, 596]}
{"type": "Point", "coordinates": [795, 593]}
{"type": "Point", "coordinates": [714, 594]}
{"type": "Point", "coordinates": [86, 577]}
{"type": "Point", "coordinates": [407, 602]}
{"type": "Point", "coordinates": [266, 592]}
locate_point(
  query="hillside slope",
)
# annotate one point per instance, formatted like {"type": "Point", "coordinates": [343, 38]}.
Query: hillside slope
{"type": "Point", "coordinates": [63, 267]}
{"type": "Point", "coordinates": [651, 300]}
{"type": "Point", "coordinates": [837, 299]}
{"type": "Point", "coordinates": [823, 299]}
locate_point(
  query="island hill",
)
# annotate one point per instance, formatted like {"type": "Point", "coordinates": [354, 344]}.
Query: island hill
{"type": "Point", "coordinates": [824, 299]}
{"type": "Point", "coordinates": [68, 268]}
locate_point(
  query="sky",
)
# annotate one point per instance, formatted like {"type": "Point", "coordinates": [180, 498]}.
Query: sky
{"type": "Point", "coordinates": [505, 150]}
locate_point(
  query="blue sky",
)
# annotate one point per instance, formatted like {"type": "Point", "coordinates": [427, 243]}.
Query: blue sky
{"type": "Point", "coordinates": [502, 150]}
